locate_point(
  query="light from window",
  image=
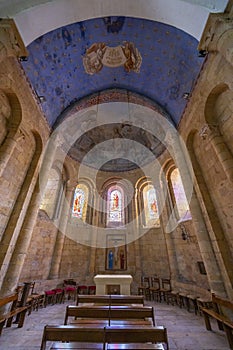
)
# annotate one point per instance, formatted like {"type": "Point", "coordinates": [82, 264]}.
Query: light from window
{"type": "Point", "coordinates": [150, 206]}
{"type": "Point", "coordinates": [180, 197]}
{"type": "Point", "coordinates": [53, 186]}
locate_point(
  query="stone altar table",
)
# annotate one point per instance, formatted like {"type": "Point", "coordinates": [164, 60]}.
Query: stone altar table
{"type": "Point", "coordinates": [113, 284]}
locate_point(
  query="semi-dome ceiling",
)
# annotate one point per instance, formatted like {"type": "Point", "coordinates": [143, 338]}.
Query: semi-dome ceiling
{"type": "Point", "coordinates": [80, 48]}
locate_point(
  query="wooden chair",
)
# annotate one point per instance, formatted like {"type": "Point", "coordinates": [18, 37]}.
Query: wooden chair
{"type": "Point", "coordinates": [164, 289]}
{"type": "Point", "coordinates": [144, 288]}
{"type": "Point", "coordinates": [172, 297]}
{"type": "Point", "coordinates": [204, 302]}
{"type": "Point", "coordinates": [69, 337]}
{"type": "Point", "coordinates": [91, 290]}
{"type": "Point", "coordinates": [136, 338]}
{"type": "Point", "coordinates": [192, 303]}
{"type": "Point", "coordinates": [70, 289]}
{"type": "Point", "coordinates": [59, 295]}
{"type": "Point", "coordinates": [34, 299]}
{"type": "Point", "coordinates": [50, 297]}
{"type": "Point", "coordinates": [154, 288]}
{"type": "Point", "coordinates": [82, 289]}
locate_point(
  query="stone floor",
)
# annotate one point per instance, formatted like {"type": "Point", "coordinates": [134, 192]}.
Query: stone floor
{"type": "Point", "coordinates": [186, 331]}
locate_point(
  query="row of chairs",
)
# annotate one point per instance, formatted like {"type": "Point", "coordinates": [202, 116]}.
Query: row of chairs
{"type": "Point", "coordinates": [33, 300]}
{"type": "Point", "coordinates": [69, 291]}
{"type": "Point", "coordinates": [154, 288]}
{"type": "Point", "coordinates": [160, 289]}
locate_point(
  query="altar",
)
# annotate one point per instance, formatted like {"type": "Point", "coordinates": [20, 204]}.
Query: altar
{"type": "Point", "coordinates": [113, 284]}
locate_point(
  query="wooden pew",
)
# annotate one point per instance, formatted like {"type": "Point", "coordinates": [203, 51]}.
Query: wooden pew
{"type": "Point", "coordinates": [92, 299]}
{"type": "Point", "coordinates": [107, 315]}
{"type": "Point", "coordinates": [222, 312]}
{"type": "Point", "coordinates": [132, 315]}
{"type": "Point", "coordinates": [110, 299]}
{"type": "Point", "coordinates": [133, 337]}
{"type": "Point", "coordinates": [69, 337]}
{"type": "Point", "coordinates": [113, 337]}
{"type": "Point", "coordinates": [127, 299]}
{"type": "Point", "coordinates": [6, 316]}
{"type": "Point", "coordinates": [87, 314]}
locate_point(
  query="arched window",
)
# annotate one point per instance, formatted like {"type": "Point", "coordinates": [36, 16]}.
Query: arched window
{"type": "Point", "coordinates": [115, 207]}
{"type": "Point", "coordinates": [183, 211]}
{"type": "Point", "coordinates": [79, 208]}
{"type": "Point", "coordinates": [52, 195]}
{"type": "Point", "coordinates": [150, 206]}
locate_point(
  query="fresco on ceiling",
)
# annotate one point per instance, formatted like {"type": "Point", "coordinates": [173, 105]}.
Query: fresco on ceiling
{"type": "Point", "coordinates": [169, 67]}
{"type": "Point", "coordinates": [99, 55]}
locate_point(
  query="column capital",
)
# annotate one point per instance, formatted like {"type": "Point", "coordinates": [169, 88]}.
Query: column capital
{"type": "Point", "coordinates": [218, 29]}
{"type": "Point", "coordinates": [11, 43]}
{"type": "Point", "coordinates": [209, 130]}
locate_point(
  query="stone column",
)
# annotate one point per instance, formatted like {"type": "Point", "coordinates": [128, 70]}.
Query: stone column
{"type": "Point", "coordinates": [15, 265]}
{"type": "Point", "coordinates": [8, 149]}
{"type": "Point", "coordinates": [18, 256]}
{"type": "Point", "coordinates": [64, 217]}
{"type": "Point", "coordinates": [184, 165]}
{"type": "Point", "coordinates": [134, 236]}
{"type": "Point", "coordinates": [206, 249]}
{"type": "Point", "coordinates": [171, 249]}
{"type": "Point", "coordinates": [212, 134]}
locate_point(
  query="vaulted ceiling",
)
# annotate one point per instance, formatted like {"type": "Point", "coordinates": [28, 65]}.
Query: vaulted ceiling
{"type": "Point", "coordinates": [80, 49]}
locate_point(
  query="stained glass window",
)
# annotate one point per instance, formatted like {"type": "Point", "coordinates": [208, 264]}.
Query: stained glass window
{"type": "Point", "coordinates": [115, 213]}
{"type": "Point", "coordinates": [80, 202]}
{"type": "Point", "coordinates": [180, 197]}
{"type": "Point", "coordinates": [151, 206]}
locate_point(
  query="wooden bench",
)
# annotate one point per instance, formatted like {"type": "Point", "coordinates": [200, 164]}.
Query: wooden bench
{"type": "Point", "coordinates": [110, 299]}
{"type": "Point", "coordinates": [108, 315]}
{"type": "Point", "coordinates": [6, 316]}
{"type": "Point", "coordinates": [100, 337]}
{"type": "Point", "coordinates": [223, 313]}
{"type": "Point", "coordinates": [136, 338]}
{"type": "Point", "coordinates": [70, 337]}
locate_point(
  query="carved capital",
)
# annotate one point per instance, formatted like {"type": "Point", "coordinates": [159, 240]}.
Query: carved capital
{"type": "Point", "coordinates": [208, 130]}
{"type": "Point", "coordinates": [11, 43]}
{"type": "Point", "coordinates": [216, 26]}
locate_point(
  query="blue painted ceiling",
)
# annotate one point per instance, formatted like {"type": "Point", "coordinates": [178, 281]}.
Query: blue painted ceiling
{"type": "Point", "coordinates": [169, 67]}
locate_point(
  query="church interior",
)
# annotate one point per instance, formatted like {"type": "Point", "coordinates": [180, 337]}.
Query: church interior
{"type": "Point", "coordinates": [116, 147]}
